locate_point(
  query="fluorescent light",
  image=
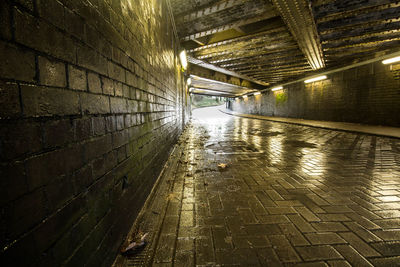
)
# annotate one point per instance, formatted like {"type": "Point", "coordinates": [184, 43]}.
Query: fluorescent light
{"type": "Point", "coordinates": [183, 58]}
{"type": "Point", "coordinates": [319, 78]}
{"type": "Point", "coordinates": [244, 96]}
{"type": "Point", "coordinates": [189, 81]}
{"type": "Point", "coordinates": [277, 88]}
{"type": "Point", "coordinates": [257, 93]}
{"type": "Point", "coordinates": [391, 60]}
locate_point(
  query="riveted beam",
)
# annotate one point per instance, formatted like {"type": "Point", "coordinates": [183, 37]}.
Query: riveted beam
{"type": "Point", "coordinates": [205, 84]}
{"type": "Point", "coordinates": [298, 17]}
{"type": "Point", "coordinates": [239, 39]}
{"type": "Point", "coordinates": [267, 15]}
{"type": "Point", "coordinates": [209, 93]}
{"type": "Point", "coordinates": [196, 62]}
{"type": "Point", "coordinates": [206, 10]}
{"type": "Point", "coordinates": [222, 78]}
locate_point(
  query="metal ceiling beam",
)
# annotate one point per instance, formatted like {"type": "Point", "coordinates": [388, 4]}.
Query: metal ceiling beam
{"type": "Point", "coordinates": [195, 61]}
{"type": "Point", "coordinates": [351, 32]}
{"type": "Point", "coordinates": [298, 17]}
{"type": "Point", "coordinates": [295, 62]}
{"type": "Point", "coordinates": [337, 10]}
{"type": "Point", "coordinates": [206, 10]}
{"type": "Point", "coordinates": [259, 44]}
{"type": "Point", "coordinates": [250, 59]}
{"type": "Point", "coordinates": [205, 84]}
{"type": "Point", "coordinates": [226, 61]}
{"type": "Point", "coordinates": [214, 94]}
{"type": "Point", "coordinates": [193, 89]}
{"type": "Point", "coordinates": [223, 78]}
{"type": "Point", "coordinates": [267, 15]}
{"type": "Point", "coordinates": [239, 39]}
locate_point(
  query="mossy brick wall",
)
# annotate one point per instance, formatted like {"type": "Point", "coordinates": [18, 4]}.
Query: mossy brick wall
{"type": "Point", "coordinates": [368, 94]}
{"type": "Point", "coordinates": [91, 102]}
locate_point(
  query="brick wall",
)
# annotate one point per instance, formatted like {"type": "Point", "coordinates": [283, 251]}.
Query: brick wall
{"type": "Point", "coordinates": [367, 94]}
{"type": "Point", "coordinates": [91, 102]}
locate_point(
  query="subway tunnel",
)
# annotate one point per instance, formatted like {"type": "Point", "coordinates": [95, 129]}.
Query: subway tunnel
{"type": "Point", "coordinates": [104, 161]}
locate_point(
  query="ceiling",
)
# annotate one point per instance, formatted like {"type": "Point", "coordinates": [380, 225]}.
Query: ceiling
{"type": "Point", "coordinates": [255, 44]}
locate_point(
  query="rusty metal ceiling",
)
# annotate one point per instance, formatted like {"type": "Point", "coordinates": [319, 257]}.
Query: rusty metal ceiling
{"type": "Point", "coordinates": [268, 42]}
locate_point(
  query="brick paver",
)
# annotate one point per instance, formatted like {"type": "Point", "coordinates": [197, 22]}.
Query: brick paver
{"type": "Point", "coordinates": [289, 195]}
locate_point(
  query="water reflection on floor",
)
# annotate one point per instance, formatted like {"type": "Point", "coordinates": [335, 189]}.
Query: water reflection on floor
{"type": "Point", "coordinates": [288, 194]}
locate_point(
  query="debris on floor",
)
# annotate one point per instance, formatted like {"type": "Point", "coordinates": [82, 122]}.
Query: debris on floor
{"type": "Point", "coordinates": [172, 196]}
{"type": "Point", "coordinates": [222, 166]}
{"type": "Point", "coordinates": [135, 246]}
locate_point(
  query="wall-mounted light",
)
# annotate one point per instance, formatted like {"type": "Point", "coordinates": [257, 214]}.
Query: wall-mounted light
{"type": "Point", "coordinates": [277, 88]}
{"type": "Point", "coordinates": [183, 58]}
{"type": "Point", "coordinates": [319, 78]}
{"type": "Point", "coordinates": [189, 81]}
{"type": "Point", "coordinates": [391, 60]}
{"type": "Point", "coordinates": [257, 93]}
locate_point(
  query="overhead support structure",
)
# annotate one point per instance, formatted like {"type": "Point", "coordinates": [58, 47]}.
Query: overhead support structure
{"type": "Point", "coordinates": [202, 91]}
{"type": "Point", "coordinates": [206, 10]}
{"type": "Point", "coordinates": [273, 42]}
{"type": "Point", "coordinates": [265, 16]}
{"type": "Point", "coordinates": [205, 65]}
{"type": "Point", "coordinates": [224, 78]}
{"type": "Point", "coordinates": [215, 86]}
{"type": "Point", "coordinates": [298, 17]}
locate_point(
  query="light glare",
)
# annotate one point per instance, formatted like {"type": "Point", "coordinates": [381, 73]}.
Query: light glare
{"type": "Point", "coordinates": [245, 96]}
{"type": "Point", "coordinates": [391, 60]}
{"type": "Point", "coordinates": [277, 88]}
{"type": "Point", "coordinates": [257, 93]}
{"type": "Point", "coordinates": [319, 78]}
{"type": "Point", "coordinates": [189, 81]}
{"type": "Point", "coordinates": [183, 58]}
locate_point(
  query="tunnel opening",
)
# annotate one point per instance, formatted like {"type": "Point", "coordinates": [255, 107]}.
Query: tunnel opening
{"type": "Point", "coordinates": [201, 101]}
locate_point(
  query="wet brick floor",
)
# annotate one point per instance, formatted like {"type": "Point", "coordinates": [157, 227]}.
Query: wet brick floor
{"type": "Point", "coordinates": [290, 195]}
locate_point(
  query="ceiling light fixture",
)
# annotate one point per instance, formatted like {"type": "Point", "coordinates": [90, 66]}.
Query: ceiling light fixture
{"type": "Point", "coordinates": [319, 78]}
{"type": "Point", "coordinates": [244, 96]}
{"type": "Point", "coordinates": [183, 58]}
{"type": "Point", "coordinates": [277, 88]}
{"type": "Point", "coordinates": [391, 60]}
{"type": "Point", "coordinates": [189, 81]}
{"type": "Point", "coordinates": [257, 93]}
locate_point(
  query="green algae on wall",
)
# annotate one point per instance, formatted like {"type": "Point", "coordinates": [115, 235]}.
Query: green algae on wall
{"type": "Point", "coordinates": [280, 98]}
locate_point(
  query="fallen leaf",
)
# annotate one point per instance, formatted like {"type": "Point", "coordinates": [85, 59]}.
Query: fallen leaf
{"type": "Point", "coordinates": [222, 165]}
{"type": "Point", "coordinates": [172, 196]}
{"type": "Point", "coordinates": [135, 246]}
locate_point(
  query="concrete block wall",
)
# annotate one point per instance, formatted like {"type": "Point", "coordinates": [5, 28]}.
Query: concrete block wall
{"type": "Point", "coordinates": [368, 94]}
{"type": "Point", "coordinates": [91, 102]}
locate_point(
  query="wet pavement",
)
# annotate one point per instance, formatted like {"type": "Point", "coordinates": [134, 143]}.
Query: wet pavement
{"type": "Point", "coordinates": [245, 192]}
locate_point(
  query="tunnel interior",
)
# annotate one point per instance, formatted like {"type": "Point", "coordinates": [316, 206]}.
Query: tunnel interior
{"type": "Point", "coordinates": [98, 137]}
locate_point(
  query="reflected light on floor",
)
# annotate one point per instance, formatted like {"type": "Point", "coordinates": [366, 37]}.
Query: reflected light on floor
{"type": "Point", "coordinates": [210, 115]}
{"type": "Point", "coordinates": [275, 149]}
{"type": "Point", "coordinates": [213, 119]}
{"type": "Point", "coordinates": [313, 163]}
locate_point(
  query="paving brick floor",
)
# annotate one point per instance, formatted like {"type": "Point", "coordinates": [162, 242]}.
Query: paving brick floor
{"type": "Point", "coordinates": [289, 195]}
